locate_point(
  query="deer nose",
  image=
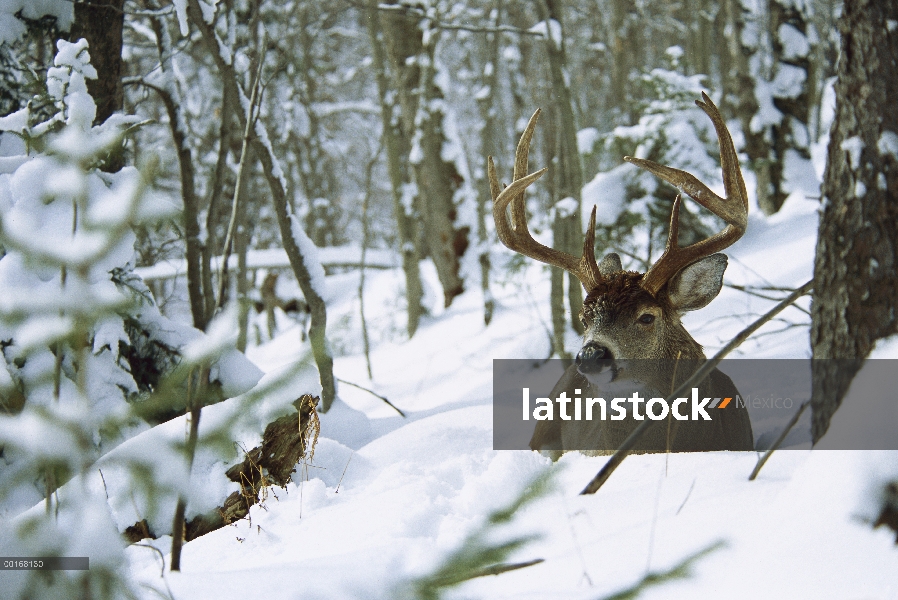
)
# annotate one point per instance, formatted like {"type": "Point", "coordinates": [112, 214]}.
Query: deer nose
{"type": "Point", "coordinates": [592, 358]}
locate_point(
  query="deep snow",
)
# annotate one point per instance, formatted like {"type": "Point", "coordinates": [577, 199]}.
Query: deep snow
{"type": "Point", "coordinates": [387, 498]}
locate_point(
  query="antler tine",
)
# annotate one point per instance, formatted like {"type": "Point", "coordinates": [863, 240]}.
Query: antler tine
{"type": "Point", "coordinates": [733, 209]}
{"type": "Point", "coordinates": [516, 235]}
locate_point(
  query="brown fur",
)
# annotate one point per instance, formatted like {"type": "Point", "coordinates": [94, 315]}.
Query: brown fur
{"type": "Point", "coordinates": [611, 315]}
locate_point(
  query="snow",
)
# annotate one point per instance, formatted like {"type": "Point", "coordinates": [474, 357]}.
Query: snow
{"type": "Point", "coordinates": [550, 31]}
{"type": "Point", "coordinates": [309, 252]}
{"type": "Point", "coordinates": [853, 146]}
{"type": "Point", "coordinates": [607, 191]}
{"type": "Point", "coordinates": [386, 499]}
{"type": "Point", "coordinates": [276, 258]}
{"type": "Point", "coordinates": [885, 348]}
{"type": "Point", "coordinates": [16, 122]}
{"type": "Point", "coordinates": [795, 43]}
{"type": "Point", "coordinates": [11, 28]}
{"type": "Point", "coordinates": [410, 490]}
{"type": "Point", "coordinates": [675, 53]}
{"type": "Point", "coordinates": [325, 109]}
{"type": "Point", "coordinates": [566, 207]}
{"type": "Point", "coordinates": [888, 144]}
{"type": "Point", "coordinates": [181, 11]}
{"type": "Point", "coordinates": [586, 139]}
{"type": "Point", "coordinates": [66, 83]}
{"type": "Point", "coordinates": [767, 113]}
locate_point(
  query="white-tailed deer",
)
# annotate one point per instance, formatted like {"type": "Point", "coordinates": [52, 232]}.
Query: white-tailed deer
{"type": "Point", "coordinates": [633, 334]}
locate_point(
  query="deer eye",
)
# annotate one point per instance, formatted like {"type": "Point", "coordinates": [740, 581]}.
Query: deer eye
{"type": "Point", "coordinates": [647, 319]}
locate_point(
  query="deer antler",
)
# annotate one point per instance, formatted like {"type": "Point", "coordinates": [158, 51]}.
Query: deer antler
{"type": "Point", "coordinates": [516, 236]}
{"type": "Point", "coordinates": [733, 209]}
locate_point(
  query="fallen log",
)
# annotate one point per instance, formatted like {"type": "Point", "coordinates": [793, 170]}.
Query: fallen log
{"type": "Point", "coordinates": [286, 442]}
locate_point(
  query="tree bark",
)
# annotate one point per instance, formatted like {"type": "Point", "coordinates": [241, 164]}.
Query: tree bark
{"type": "Point", "coordinates": [743, 51]}
{"type": "Point", "coordinates": [321, 220]}
{"type": "Point", "coordinates": [487, 102]}
{"type": "Point", "coordinates": [435, 180]}
{"type": "Point", "coordinates": [101, 23]}
{"type": "Point", "coordinates": [624, 58]}
{"type": "Point", "coordinates": [791, 133]}
{"type": "Point", "coordinates": [396, 149]}
{"type": "Point", "coordinates": [855, 270]}
{"type": "Point", "coordinates": [568, 184]}
{"type": "Point", "coordinates": [193, 247]}
{"type": "Point", "coordinates": [219, 175]}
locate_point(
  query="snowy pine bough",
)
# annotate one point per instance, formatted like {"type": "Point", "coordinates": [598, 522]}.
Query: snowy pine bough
{"type": "Point", "coordinates": [86, 353]}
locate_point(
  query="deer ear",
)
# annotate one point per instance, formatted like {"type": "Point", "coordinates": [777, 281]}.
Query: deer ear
{"type": "Point", "coordinates": [695, 285]}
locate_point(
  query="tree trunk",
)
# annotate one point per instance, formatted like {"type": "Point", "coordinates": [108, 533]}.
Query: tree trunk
{"type": "Point", "coordinates": [241, 241]}
{"type": "Point", "coordinates": [624, 60]}
{"type": "Point", "coordinates": [855, 271]}
{"type": "Point", "coordinates": [193, 247]}
{"type": "Point", "coordinates": [393, 142]}
{"type": "Point", "coordinates": [744, 56]}
{"type": "Point", "coordinates": [568, 183]}
{"type": "Point", "coordinates": [487, 102]}
{"type": "Point", "coordinates": [788, 25]}
{"type": "Point", "coordinates": [101, 23]}
{"type": "Point", "coordinates": [320, 222]}
{"type": "Point", "coordinates": [437, 179]}
{"type": "Point", "coordinates": [219, 175]}
{"type": "Point", "coordinates": [432, 180]}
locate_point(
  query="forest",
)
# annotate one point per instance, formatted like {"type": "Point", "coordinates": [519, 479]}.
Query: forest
{"type": "Point", "coordinates": [259, 268]}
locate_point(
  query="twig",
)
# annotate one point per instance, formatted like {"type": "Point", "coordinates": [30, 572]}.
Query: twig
{"type": "Point", "coordinates": [577, 546]}
{"type": "Point", "coordinates": [689, 493]}
{"type": "Point", "coordinates": [621, 453]}
{"type": "Point", "coordinates": [506, 567]}
{"type": "Point", "coordinates": [763, 288]}
{"type": "Point", "coordinates": [369, 170]}
{"type": "Point", "coordinates": [339, 483]}
{"type": "Point", "coordinates": [779, 440]}
{"type": "Point", "coordinates": [159, 552]}
{"type": "Point", "coordinates": [241, 174]}
{"type": "Point", "coordinates": [373, 393]}
{"type": "Point", "coordinates": [751, 292]}
{"type": "Point", "coordinates": [105, 489]}
{"type": "Point", "coordinates": [645, 264]}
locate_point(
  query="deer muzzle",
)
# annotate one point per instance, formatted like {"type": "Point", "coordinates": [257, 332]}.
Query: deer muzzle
{"type": "Point", "coordinates": [593, 358]}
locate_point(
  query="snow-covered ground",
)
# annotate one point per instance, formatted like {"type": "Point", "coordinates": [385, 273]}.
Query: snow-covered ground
{"type": "Point", "coordinates": [387, 498]}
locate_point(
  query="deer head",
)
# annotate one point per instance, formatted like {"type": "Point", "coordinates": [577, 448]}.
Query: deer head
{"type": "Point", "coordinates": [626, 314]}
